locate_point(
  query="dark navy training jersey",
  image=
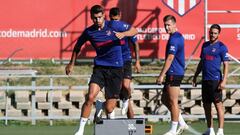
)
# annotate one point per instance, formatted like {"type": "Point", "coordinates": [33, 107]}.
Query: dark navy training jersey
{"type": "Point", "coordinates": [175, 46]}
{"type": "Point", "coordinates": [126, 51]}
{"type": "Point", "coordinates": [106, 44]}
{"type": "Point", "coordinates": [212, 56]}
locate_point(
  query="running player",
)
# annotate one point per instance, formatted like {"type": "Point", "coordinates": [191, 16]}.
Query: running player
{"type": "Point", "coordinates": [125, 95]}
{"type": "Point", "coordinates": [213, 53]}
{"type": "Point", "coordinates": [105, 37]}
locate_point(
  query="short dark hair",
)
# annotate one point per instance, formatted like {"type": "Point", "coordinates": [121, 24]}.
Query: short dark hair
{"type": "Point", "coordinates": [96, 9]}
{"type": "Point", "coordinates": [169, 17]}
{"type": "Point", "coordinates": [114, 11]}
{"type": "Point", "coordinates": [216, 26]}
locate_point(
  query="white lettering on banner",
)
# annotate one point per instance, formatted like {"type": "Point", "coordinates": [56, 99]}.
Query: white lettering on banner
{"type": "Point", "coordinates": [238, 36]}
{"type": "Point", "coordinates": [189, 36]}
{"type": "Point", "coordinates": [34, 33]}
{"type": "Point", "coordinates": [148, 37]}
{"type": "Point", "coordinates": [238, 30]}
{"type": "Point", "coordinates": [151, 30]}
{"type": "Point", "coordinates": [165, 36]}
{"type": "Point", "coordinates": [238, 33]}
{"type": "Point", "coordinates": [158, 33]}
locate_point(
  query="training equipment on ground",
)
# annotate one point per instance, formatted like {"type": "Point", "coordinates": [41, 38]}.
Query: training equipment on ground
{"type": "Point", "coordinates": [120, 127]}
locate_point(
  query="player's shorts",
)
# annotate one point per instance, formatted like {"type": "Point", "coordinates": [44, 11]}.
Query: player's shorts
{"type": "Point", "coordinates": [110, 78]}
{"type": "Point", "coordinates": [127, 70]}
{"type": "Point", "coordinates": [173, 81]}
{"type": "Point", "coordinates": [210, 91]}
{"type": "Point", "coordinates": [127, 74]}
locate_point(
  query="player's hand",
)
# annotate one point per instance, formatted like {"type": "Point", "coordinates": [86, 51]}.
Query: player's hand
{"type": "Point", "coordinates": [137, 67]}
{"type": "Point", "coordinates": [69, 68]}
{"type": "Point", "coordinates": [159, 80]}
{"type": "Point", "coordinates": [194, 82]}
{"type": "Point", "coordinates": [119, 35]}
{"type": "Point", "coordinates": [222, 85]}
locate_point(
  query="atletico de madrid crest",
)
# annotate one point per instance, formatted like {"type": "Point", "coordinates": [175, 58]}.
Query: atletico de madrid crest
{"type": "Point", "coordinates": [181, 7]}
{"type": "Point", "coordinates": [108, 32]}
{"type": "Point", "coordinates": [214, 50]}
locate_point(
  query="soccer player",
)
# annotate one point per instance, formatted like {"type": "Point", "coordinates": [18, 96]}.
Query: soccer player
{"type": "Point", "coordinates": [125, 95]}
{"type": "Point", "coordinates": [105, 37]}
{"type": "Point", "coordinates": [213, 53]}
{"type": "Point", "coordinates": [174, 70]}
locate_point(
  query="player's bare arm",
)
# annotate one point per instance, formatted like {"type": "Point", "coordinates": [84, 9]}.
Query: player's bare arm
{"type": "Point", "coordinates": [137, 57]}
{"type": "Point", "coordinates": [198, 71]}
{"type": "Point", "coordinates": [70, 65]}
{"type": "Point", "coordinates": [166, 66]}
{"type": "Point", "coordinates": [225, 74]}
{"type": "Point", "coordinates": [131, 32]}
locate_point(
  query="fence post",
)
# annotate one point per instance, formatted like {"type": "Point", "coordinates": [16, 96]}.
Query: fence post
{"type": "Point", "coordinates": [33, 99]}
{"type": "Point", "coordinates": [51, 101]}
{"type": "Point", "coordinates": [6, 104]}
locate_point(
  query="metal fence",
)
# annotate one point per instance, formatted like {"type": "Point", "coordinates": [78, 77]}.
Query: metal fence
{"type": "Point", "coordinates": [6, 74]}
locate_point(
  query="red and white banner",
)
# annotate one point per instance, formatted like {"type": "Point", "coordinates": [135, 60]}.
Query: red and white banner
{"type": "Point", "coordinates": [49, 29]}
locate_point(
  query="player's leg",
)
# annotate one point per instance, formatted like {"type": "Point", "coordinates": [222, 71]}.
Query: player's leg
{"type": "Point", "coordinates": [167, 101]}
{"type": "Point", "coordinates": [99, 105]}
{"type": "Point", "coordinates": [173, 93]}
{"type": "Point", "coordinates": [130, 112]}
{"type": "Point", "coordinates": [170, 95]}
{"type": "Point", "coordinates": [93, 91]}
{"type": "Point", "coordinates": [125, 97]}
{"type": "Point", "coordinates": [176, 81]}
{"type": "Point", "coordinates": [165, 96]}
{"type": "Point", "coordinates": [219, 107]}
{"type": "Point", "coordinates": [220, 113]}
{"type": "Point", "coordinates": [209, 118]}
{"type": "Point", "coordinates": [170, 81]}
{"type": "Point", "coordinates": [113, 84]}
{"type": "Point", "coordinates": [164, 100]}
{"type": "Point", "coordinates": [95, 85]}
{"type": "Point", "coordinates": [86, 108]}
{"type": "Point", "coordinates": [109, 106]}
{"type": "Point", "coordinates": [126, 90]}
{"type": "Point", "coordinates": [207, 99]}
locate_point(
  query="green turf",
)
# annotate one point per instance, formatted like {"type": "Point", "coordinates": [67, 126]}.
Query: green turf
{"type": "Point", "coordinates": [158, 129]}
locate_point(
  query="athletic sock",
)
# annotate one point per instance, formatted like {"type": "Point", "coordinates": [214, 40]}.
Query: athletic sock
{"type": "Point", "coordinates": [211, 129]}
{"type": "Point", "coordinates": [220, 130]}
{"type": "Point", "coordinates": [181, 120]}
{"type": "Point", "coordinates": [174, 126]}
{"type": "Point", "coordinates": [83, 121]}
